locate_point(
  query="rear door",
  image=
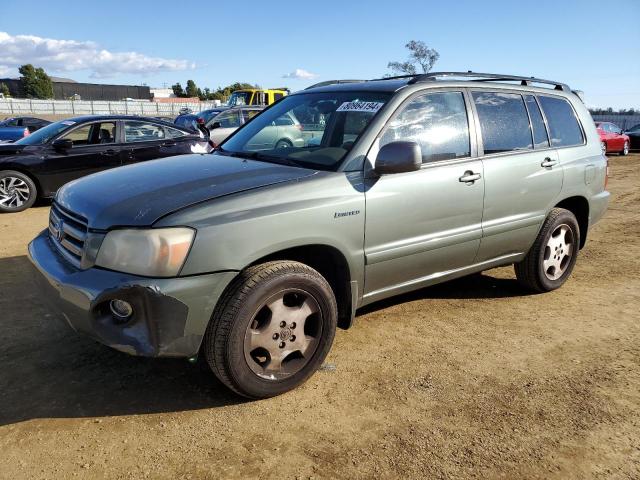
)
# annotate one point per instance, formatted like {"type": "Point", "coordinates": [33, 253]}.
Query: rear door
{"type": "Point", "coordinates": [522, 172]}
{"type": "Point", "coordinates": [145, 141]}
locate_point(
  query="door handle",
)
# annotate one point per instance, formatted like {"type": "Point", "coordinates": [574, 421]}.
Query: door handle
{"type": "Point", "coordinates": [110, 152]}
{"type": "Point", "coordinates": [168, 144]}
{"type": "Point", "coordinates": [548, 162]}
{"type": "Point", "coordinates": [470, 177]}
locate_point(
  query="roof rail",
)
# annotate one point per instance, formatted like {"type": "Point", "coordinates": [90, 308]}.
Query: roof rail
{"type": "Point", "coordinates": [332, 82]}
{"type": "Point", "coordinates": [489, 77]}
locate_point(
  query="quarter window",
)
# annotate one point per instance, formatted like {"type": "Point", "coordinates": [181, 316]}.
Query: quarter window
{"type": "Point", "coordinates": [504, 122]}
{"type": "Point", "coordinates": [175, 133]}
{"type": "Point", "coordinates": [563, 124]}
{"type": "Point", "coordinates": [142, 132]}
{"type": "Point", "coordinates": [437, 122]}
{"type": "Point", "coordinates": [540, 137]}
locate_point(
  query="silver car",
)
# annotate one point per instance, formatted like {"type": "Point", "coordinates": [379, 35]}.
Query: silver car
{"type": "Point", "coordinates": [283, 132]}
{"type": "Point", "coordinates": [252, 256]}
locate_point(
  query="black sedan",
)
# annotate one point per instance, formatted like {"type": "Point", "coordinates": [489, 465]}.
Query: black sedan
{"type": "Point", "coordinates": [634, 137]}
{"type": "Point", "coordinates": [38, 165]}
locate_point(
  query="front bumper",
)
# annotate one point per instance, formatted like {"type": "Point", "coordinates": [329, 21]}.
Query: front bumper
{"type": "Point", "coordinates": [170, 314]}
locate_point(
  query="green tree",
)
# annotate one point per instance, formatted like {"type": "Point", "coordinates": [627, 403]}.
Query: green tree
{"type": "Point", "coordinates": [419, 55]}
{"type": "Point", "coordinates": [192, 89]}
{"type": "Point", "coordinates": [4, 90]}
{"type": "Point", "coordinates": [178, 91]}
{"type": "Point", "coordinates": [35, 82]}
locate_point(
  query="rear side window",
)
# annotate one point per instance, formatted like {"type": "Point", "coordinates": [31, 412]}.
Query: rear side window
{"type": "Point", "coordinates": [540, 137]}
{"type": "Point", "coordinates": [504, 122]}
{"type": "Point", "coordinates": [563, 124]}
{"type": "Point", "coordinates": [142, 132]}
{"type": "Point", "coordinates": [437, 122]}
{"type": "Point", "coordinates": [175, 133]}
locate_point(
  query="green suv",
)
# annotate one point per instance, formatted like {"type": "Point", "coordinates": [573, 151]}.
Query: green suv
{"type": "Point", "coordinates": [251, 256]}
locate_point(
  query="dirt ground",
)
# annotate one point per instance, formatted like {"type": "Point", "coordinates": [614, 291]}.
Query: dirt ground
{"type": "Point", "coordinates": [470, 379]}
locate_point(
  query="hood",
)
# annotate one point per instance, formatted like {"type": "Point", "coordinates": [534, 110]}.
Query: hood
{"type": "Point", "coordinates": [10, 149]}
{"type": "Point", "coordinates": [139, 195]}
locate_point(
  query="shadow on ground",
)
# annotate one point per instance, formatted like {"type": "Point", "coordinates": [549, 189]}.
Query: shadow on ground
{"type": "Point", "coordinates": [49, 371]}
{"type": "Point", "coordinates": [471, 287]}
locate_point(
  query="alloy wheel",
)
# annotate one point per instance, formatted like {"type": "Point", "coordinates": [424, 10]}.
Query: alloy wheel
{"type": "Point", "coordinates": [14, 192]}
{"type": "Point", "coordinates": [283, 334]}
{"type": "Point", "coordinates": [558, 252]}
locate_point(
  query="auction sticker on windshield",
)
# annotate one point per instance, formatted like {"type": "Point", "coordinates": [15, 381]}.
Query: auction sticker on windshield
{"type": "Point", "coordinates": [372, 107]}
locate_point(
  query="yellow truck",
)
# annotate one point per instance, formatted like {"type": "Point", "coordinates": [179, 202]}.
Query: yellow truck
{"type": "Point", "coordinates": [256, 96]}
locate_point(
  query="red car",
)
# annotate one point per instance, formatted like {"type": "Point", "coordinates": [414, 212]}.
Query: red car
{"type": "Point", "coordinates": [612, 138]}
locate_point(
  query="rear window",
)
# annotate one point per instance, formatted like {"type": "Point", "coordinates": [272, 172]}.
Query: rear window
{"type": "Point", "coordinates": [540, 137]}
{"type": "Point", "coordinates": [564, 128]}
{"type": "Point", "coordinates": [504, 122]}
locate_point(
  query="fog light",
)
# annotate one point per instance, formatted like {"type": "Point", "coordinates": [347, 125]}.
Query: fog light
{"type": "Point", "coordinates": [121, 310]}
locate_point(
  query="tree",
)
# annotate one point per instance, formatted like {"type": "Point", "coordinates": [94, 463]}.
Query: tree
{"type": "Point", "coordinates": [178, 91]}
{"type": "Point", "coordinates": [4, 90]}
{"type": "Point", "coordinates": [35, 82]}
{"type": "Point", "coordinates": [192, 89]}
{"type": "Point", "coordinates": [419, 55]}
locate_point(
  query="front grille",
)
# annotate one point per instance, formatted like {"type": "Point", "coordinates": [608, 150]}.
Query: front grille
{"type": "Point", "coordinates": [68, 233]}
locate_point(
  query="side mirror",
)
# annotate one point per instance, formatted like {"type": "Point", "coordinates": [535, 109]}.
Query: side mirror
{"type": "Point", "coordinates": [63, 144]}
{"type": "Point", "coordinates": [215, 125]}
{"type": "Point", "coordinates": [399, 157]}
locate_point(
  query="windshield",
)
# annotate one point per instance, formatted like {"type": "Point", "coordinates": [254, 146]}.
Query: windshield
{"type": "Point", "coordinates": [45, 134]}
{"type": "Point", "coordinates": [312, 130]}
{"type": "Point", "coordinates": [239, 98]}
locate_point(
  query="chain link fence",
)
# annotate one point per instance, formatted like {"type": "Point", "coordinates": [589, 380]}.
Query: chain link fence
{"type": "Point", "coordinates": [11, 106]}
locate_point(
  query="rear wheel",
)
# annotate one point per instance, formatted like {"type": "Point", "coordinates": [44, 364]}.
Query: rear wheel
{"type": "Point", "coordinates": [272, 329]}
{"type": "Point", "coordinates": [553, 255]}
{"type": "Point", "coordinates": [283, 144]}
{"type": "Point", "coordinates": [625, 149]}
{"type": "Point", "coordinates": [17, 192]}
{"type": "Point", "coordinates": [603, 147]}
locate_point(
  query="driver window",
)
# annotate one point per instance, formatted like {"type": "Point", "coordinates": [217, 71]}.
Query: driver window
{"type": "Point", "coordinates": [93, 134]}
{"type": "Point", "coordinates": [435, 121]}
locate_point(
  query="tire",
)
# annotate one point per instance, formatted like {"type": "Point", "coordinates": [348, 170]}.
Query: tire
{"type": "Point", "coordinates": [284, 143]}
{"type": "Point", "coordinates": [625, 149]}
{"type": "Point", "coordinates": [603, 147]}
{"type": "Point", "coordinates": [252, 347]}
{"type": "Point", "coordinates": [552, 257]}
{"type": "Point", "coordinates": [17, 192]}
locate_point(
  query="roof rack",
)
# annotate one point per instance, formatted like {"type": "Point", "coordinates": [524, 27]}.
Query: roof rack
{"type": "Point", "coordinates": [333, 82]}
{"type": "Point", "coordinates": [489, 77]}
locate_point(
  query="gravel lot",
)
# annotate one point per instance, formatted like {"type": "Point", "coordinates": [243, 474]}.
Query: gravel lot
{"type": "Point", "coordinates": [471, 379]}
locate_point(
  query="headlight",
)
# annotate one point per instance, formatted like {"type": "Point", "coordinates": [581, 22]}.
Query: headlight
{"type": "Point", "coordinates": [157, 252]}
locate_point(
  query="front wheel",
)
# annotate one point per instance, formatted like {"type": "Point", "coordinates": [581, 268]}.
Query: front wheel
{"type": "Point", "coordinates": [17, 192]}
{"type": "Point", "coordinates": [272, 329]}
{"type": "Point", "coordinates": [625, 149]}
{"type": "Point", "coordinates": [553, 255]}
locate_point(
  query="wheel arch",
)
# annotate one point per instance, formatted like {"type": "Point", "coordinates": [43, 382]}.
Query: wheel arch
{"type": "Point", "coordinates": [332, 265]}
{"type": "Point", "coordinates": [23, 171]}
{"type": "Point", "coordinates": [579, 206]}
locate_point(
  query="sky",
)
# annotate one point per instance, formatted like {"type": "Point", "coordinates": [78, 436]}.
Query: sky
{"type": "Point", "coordinates": [593, 46]}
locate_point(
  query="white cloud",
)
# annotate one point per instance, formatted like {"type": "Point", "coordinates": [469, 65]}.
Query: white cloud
{"type": "Point", "coordinates": [71, 55]}
{"type": "Point", "coordinates": [301, 74]}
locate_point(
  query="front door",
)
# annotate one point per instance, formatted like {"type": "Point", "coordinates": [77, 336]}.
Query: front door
{"type": "Point", "coordinates": [95, 148]}
{"type": "Point", "coordinates": [423, 225]}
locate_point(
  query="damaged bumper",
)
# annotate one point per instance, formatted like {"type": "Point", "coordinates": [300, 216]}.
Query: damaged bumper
{"type": "Point", "coordinates": [170, 315]}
